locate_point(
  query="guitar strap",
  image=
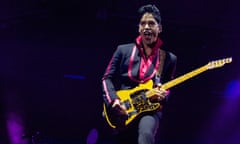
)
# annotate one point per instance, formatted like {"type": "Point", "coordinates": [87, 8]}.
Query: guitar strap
{"type": "Point", "coordinates": [160, 67]}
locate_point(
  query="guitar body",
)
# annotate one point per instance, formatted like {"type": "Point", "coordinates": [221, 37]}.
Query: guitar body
{"type": "Point", "coordinates": [136, 101]}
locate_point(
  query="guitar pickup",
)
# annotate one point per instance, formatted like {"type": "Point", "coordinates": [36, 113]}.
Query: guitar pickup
{"type": "Point", "coordinates": [134, 112]}
{"type": "Point", "coordinates": [127, 104]}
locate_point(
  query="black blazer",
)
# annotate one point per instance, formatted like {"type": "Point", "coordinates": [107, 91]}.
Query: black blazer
{"type": "Point", "coordinates": [123, 70]}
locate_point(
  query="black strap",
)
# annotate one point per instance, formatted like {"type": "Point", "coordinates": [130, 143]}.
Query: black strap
{"type": "Point", "coordinates": [160, 67]}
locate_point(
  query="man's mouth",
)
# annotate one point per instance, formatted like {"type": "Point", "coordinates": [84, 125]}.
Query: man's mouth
{"type": "Point", "coordinates": [148, 35]}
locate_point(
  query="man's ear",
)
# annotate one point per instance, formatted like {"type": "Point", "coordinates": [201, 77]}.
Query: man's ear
{"type": "Point", "coordinates": [160, 28]}
{"type": "Point", "coordinates": [139, 29]}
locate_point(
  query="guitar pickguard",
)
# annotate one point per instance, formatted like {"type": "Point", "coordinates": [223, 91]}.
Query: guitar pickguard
{"type": "Point", "coordinates": [141, 103]}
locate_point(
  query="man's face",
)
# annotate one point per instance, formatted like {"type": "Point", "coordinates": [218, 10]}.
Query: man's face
{"type": "Point", "coordinates": [149, 29]}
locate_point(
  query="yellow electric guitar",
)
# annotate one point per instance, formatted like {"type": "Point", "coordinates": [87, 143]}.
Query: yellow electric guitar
{"type": "Point", "coordinates": [137, 100]}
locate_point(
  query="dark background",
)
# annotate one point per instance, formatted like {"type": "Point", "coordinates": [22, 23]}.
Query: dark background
{"type": "Point", "coordinates": [42, 42]}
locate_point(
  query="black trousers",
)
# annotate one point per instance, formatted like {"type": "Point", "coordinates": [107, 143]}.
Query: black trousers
{"type": "Point", "coordinates": [143, 131]}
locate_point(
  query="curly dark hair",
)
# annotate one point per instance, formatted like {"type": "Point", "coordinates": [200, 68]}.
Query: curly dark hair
{"type": "Point", "coordinates": [149, 8]}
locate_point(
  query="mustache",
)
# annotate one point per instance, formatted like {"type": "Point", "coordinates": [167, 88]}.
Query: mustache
{"type": "Point", "coordinates": [149, 33]}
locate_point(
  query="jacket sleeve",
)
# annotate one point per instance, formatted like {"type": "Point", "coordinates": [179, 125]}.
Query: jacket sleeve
{"type": "Point", "coordinates": [111, 73]}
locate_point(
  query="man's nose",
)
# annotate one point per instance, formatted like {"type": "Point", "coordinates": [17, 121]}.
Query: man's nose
{"type": "Point", "coordinates": [146, 26]}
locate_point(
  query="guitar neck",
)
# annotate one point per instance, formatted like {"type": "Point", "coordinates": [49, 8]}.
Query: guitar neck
{"type": "Point", "coordinates": [180, 79]}
{"type": "Point", "coordinates": [184, 77]}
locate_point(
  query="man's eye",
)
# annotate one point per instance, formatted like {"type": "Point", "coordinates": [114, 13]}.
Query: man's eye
{"type": "Point", "coordinates": [143, 23]}
{"type": "Point", "coordinates": [151, 23]}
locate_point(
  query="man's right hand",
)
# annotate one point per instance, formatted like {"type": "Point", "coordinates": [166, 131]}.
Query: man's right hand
{"type": "Point", "coordinates": [119, 108]}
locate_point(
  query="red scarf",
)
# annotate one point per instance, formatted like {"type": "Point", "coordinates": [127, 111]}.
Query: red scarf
{"type": "Point", "coordinates": [146, 62]}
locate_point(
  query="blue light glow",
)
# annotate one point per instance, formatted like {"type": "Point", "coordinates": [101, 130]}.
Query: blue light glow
{"type": "Point", "coordinates": [81, 77]}
{"type": "Point", "coordinates": [233, 89]}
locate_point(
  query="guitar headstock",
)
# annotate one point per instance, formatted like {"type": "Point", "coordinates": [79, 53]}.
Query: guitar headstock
{"type": "Point", "coordinates": [219, 63]}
